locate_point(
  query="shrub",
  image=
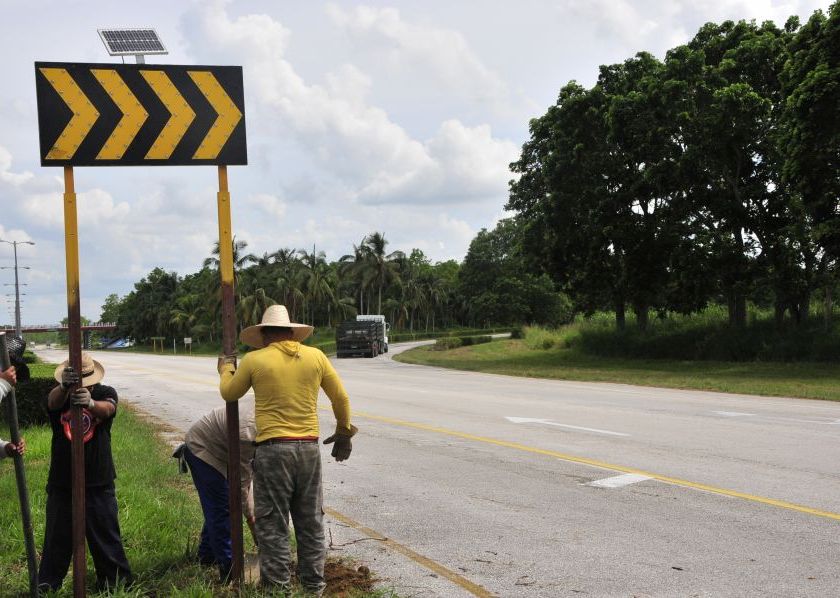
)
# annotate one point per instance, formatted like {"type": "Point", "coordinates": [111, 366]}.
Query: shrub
{"type": "Point", "coordinates": [475, 340]}
{"type": "Point", "coordinates": [707, 336]}
{"type": "Point", "coordinates": [447, 342]}
{"type": "Point", "coordinates": [31, 398]}
{"type": "Point", "coordinates": [545, 338]}
{"type": "Point", "coordinates": [518, 332]}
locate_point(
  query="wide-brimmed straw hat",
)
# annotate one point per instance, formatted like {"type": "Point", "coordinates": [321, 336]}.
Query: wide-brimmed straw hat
{"type": "Point", "coordinates": [92, 371]}
{"type": "Point", "coordinates": [278, 316]}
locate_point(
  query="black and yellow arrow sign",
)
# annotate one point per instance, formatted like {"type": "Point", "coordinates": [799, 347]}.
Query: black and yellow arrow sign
{"type": "Point", "coordinates": [140, 114]}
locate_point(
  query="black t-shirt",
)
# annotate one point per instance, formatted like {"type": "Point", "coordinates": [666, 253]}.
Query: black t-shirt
{"type": "Point", "coordinates": [99, 464]}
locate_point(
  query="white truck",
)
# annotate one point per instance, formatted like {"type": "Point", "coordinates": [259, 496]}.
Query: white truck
{"type": "Point", "coordinates": [385, 327]}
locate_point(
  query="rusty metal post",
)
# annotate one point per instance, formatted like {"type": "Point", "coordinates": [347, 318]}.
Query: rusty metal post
{"type": "Point", "coordinates": [20, 475]}
{"type": "Point", "coordinates": [74, 335]}
{"type": "Point", "coordinates": [229, 348]}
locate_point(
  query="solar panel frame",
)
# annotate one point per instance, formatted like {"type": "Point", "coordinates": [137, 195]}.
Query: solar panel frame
{"type": "Point", "coordinates": [131, 41]}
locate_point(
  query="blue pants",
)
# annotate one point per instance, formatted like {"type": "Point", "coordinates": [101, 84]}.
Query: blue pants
{"type": "Point", "coordinates": [212, 487]}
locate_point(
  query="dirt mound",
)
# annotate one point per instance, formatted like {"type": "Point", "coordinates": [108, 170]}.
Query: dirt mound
{"type": "Point", "coordinates": [343, 579]}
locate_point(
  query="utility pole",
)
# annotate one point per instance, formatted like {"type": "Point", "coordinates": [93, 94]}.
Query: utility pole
{"type": "Point", "coordinates": [17, 284]}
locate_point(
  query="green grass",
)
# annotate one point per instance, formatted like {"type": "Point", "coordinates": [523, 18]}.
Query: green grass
{"type": "Point", "coordinates": [159, 512]}
{"type": "Point", "coordinates": [516, 358]}
{"type": "Point", "coordinates": [160, 517]}
{"type": "Point", "coordinates": [41, 370]}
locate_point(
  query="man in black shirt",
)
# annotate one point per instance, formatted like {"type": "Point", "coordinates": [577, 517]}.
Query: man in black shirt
{"type": "Point", "coordinates": [99, 407]}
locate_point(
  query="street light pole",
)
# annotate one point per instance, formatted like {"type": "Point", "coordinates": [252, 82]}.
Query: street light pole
{"type": "Point", "coordinates": [14, 244]}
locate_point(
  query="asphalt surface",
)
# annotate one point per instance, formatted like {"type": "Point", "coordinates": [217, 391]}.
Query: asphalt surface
{"type": "Point", "coordinates": [477, 498]}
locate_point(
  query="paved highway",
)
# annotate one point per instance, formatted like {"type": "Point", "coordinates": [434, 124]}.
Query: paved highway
{"type": "Point", "coordinates": [493, 485]}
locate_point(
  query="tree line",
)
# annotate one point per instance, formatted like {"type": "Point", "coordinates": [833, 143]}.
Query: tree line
{"type": "Point", "coordinates": [710, 176]}
{"type": "Point", "coordinates": [413, 293]}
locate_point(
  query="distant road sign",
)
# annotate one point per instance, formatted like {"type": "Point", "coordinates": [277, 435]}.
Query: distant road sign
{"type": "Point", "coordinates": [187, 340]}
{"type": "Point", "coordinates": [139, 114]}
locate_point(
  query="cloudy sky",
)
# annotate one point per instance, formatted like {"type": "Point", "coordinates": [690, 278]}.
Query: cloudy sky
{"type": "Point", "coordinates": [397, 116]}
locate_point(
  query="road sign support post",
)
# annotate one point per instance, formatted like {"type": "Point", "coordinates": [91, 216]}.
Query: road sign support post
{"type": "Point", "coordinates": [20, 476]}
{"type": "Point", "coordinates": [229, 348]}
{"type": "Point", "coordinates": [74, 335]}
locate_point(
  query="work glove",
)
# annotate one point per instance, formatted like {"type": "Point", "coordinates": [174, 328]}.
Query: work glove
{"type": "Point", "coordinates": [69, 378]}
{"type": "Point", "coordinates": [9, 375]}
{"type": "Point", "coordinates": [343, 445]}
{"type": "Point", "coordinates": [13, 449]}
{"type": "Point", "coordinates": [224, 360]}
{"type": "Point", "coordinates": [81, 398]}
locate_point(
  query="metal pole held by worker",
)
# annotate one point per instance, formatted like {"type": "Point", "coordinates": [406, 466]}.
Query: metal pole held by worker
{"type": "Point", "coordinates": [20, 476]}
{"type": "Point", "coordinates": [229, 348]}
{"type": "Point", "coordinates": [74, 334]}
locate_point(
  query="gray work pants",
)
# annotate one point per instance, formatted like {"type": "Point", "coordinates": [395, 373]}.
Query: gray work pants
{"type": "Point", "coordinates": [287, 479]}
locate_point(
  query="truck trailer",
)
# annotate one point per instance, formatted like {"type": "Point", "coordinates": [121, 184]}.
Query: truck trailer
{"type": "Point", "coordinates": [365, 336]}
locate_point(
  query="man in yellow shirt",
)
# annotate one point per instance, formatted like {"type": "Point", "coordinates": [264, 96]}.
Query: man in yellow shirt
{"type": "Point", "coordinates": [286, 377]}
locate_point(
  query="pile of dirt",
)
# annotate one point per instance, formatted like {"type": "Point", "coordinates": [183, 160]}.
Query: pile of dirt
{"type": "Point", "coordinates": [343, 579]}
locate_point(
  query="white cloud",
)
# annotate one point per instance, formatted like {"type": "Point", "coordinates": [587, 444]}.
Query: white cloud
{"type": "Point", "coordinates": [94, 208]}
{"type": "Point", "coordinates": [470, 156]}
{"type": "Point", "coordinates": [442, 53]}
{"type": "Point", "coordinates": [13, 234]}
{"type": "Point", "coordinates": [44, 209]}
{"type": "Point", "coordinates": [6, 174]}
{"type": "Point", "coordinates": [270, 204]}
{"type": "Point", "coordinates": [658, 26]}
{"type": "Point", "coordinates": [352, 140]}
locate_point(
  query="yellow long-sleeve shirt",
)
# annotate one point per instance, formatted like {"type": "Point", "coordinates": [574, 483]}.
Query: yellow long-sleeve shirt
{"type": "Point", "coordinates": [286, 377]}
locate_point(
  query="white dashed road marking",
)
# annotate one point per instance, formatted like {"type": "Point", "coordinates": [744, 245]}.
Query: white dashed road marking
{"type": "Point", "coordinates": [618, 481]}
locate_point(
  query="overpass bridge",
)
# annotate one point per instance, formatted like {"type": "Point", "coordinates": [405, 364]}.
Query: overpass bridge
{"type": "Point", "coordinates": [87, 329]}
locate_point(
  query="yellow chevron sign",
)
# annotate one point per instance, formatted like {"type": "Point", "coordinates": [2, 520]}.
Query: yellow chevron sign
{"type": "Point", "coordinates": [134, 115]}
{"type": "Point", "coordinates": [180, 115]}
{"type": "Point", "coordinates": [228, 114]}
{"type": "Point", "coordinates": [84, 114]}
{"type": "Point", "coordinates": [130, 114]}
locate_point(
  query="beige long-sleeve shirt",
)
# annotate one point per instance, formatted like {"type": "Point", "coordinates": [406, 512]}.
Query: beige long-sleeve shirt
{"type": "Point", "coordinates": [207, 440]}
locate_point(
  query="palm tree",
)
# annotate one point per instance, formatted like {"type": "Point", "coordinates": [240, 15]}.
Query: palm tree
{"type": "Point", "coordinates": [240, 259]}
{"type": "Point", "coordinates": [252, 307]}
{"type": "Point", "coordinates": [437, 294]}
{"type": "Point", "coordinates": [352, 266]}
{"type": "Point", "coordinates": [315, 278]}
{"type": "Point", "coordinates": [380, 266]}
{"type": "Point", "coordinates": [185, 315]}
{"type": "Point", "coordinates": [285, 283]}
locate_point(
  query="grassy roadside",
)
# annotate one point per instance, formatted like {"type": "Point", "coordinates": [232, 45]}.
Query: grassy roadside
{"type": "Point", "coordinates": [516, 358]}
{"type": "Point", "coordinates": [160, 519]}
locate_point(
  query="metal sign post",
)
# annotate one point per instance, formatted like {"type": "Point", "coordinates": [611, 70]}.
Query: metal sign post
{"type": "Point", "coordinates": [142, 115]}
{"type": "Point", "coordinates": [20, 476]}
{"type": "Point", "coordinates": [229, 348]}
{"type": "Point", "coordinates": [74, 334]}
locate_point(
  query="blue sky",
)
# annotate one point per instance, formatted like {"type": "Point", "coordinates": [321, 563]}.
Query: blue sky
{"type": "Point", "coordinates": [399, 117]}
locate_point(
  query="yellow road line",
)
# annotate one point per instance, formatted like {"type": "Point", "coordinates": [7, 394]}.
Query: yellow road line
{"type": "Point", "coordinates": [610, 466]}
{"type": "Point", "coordinates": [773, 502]}
{"type": "Point", "coordinates": [459, 580]}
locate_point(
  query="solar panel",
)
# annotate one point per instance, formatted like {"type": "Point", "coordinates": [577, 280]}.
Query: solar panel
{"type": "Point", "coordinates": [129, 42]}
